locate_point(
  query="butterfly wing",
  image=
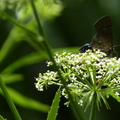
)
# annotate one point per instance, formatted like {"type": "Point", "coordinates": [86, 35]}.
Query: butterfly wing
{"type": "Point", "coordinates": [103, 40]}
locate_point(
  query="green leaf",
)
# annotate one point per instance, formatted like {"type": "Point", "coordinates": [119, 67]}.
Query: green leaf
{"type": "Point", "coordinates": [1, 118]}
{"type": "Point", "coordinates": [27, 102]}
{"type": "Point", "coordinates": [10, 78]}
{"type": "Point", "coordinates": [27, 60]}
{"type": "Point", "coordinates": [11, 42]}
{"type": "Point", "coordinates": [54, 108]}
{"type": "Point", "coordinates": [33, 58]}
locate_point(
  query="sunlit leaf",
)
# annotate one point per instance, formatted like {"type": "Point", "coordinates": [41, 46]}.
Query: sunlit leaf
{"type": "Point", "coordinates": [10, 78]}
{"type": "Point", "coordinates": [54, 108]}
{"type": "Point", "coordinates": [1, 118]}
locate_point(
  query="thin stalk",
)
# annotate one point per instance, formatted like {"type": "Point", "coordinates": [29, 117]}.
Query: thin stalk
{"type": "Point", "coordinates": [75, 107]}
{"type": "Point", "coordinates": [31, 33]}
{"type": "Point", "coordinates": [93, 107]}
{"type": "Point", "coordinates": [41, 33]}
{"type": "Point", "coordinates": [9, 100]}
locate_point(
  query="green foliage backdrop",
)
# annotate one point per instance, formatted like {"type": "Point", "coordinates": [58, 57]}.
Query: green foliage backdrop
{"type": "Point", "coordinates": [67, 26]}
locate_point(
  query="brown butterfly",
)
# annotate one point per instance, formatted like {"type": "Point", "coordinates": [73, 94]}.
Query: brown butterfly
{"type": "Point", "coordinates": [103, 40]}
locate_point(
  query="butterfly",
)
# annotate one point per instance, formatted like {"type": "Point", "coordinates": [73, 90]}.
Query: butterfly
{"type": "Point", "coordinates": [103, 39]}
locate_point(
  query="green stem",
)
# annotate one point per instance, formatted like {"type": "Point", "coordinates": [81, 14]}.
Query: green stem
{"type": "Point", "coordinates": [75, 107]}
{"type": "Point", "coordinates": [9, 100]}
{"type": "Point", "coordinates": [37, 19]}
{"type": "Point", "coordinates": [93, 107]}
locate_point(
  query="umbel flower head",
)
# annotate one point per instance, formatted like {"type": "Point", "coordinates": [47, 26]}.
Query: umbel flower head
{"type": "Point", "coordinates": [86, 74]}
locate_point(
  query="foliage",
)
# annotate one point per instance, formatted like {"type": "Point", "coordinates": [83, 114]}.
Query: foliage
{"type": "Point", "coordinates": [87, 90]}
{"type": "Point", "coordinates": [24, 25]}
{"type": "Point", "coordinates": [54, 108]}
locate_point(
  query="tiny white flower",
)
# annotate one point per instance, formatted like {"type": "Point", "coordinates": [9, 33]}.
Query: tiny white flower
{"type": "Point", "coordinates": [83, 73]}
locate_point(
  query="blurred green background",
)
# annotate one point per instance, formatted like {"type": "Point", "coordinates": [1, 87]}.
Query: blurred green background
{"type": "Point", "coordinates": [68, 24]}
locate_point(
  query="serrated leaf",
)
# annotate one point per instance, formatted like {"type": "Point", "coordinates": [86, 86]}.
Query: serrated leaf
{"type": "Point", "coordinates": [54, 108]}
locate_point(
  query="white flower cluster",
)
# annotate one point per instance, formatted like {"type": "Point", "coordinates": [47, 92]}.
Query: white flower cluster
{"type": "Point", "coordinates": [83, 72]}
